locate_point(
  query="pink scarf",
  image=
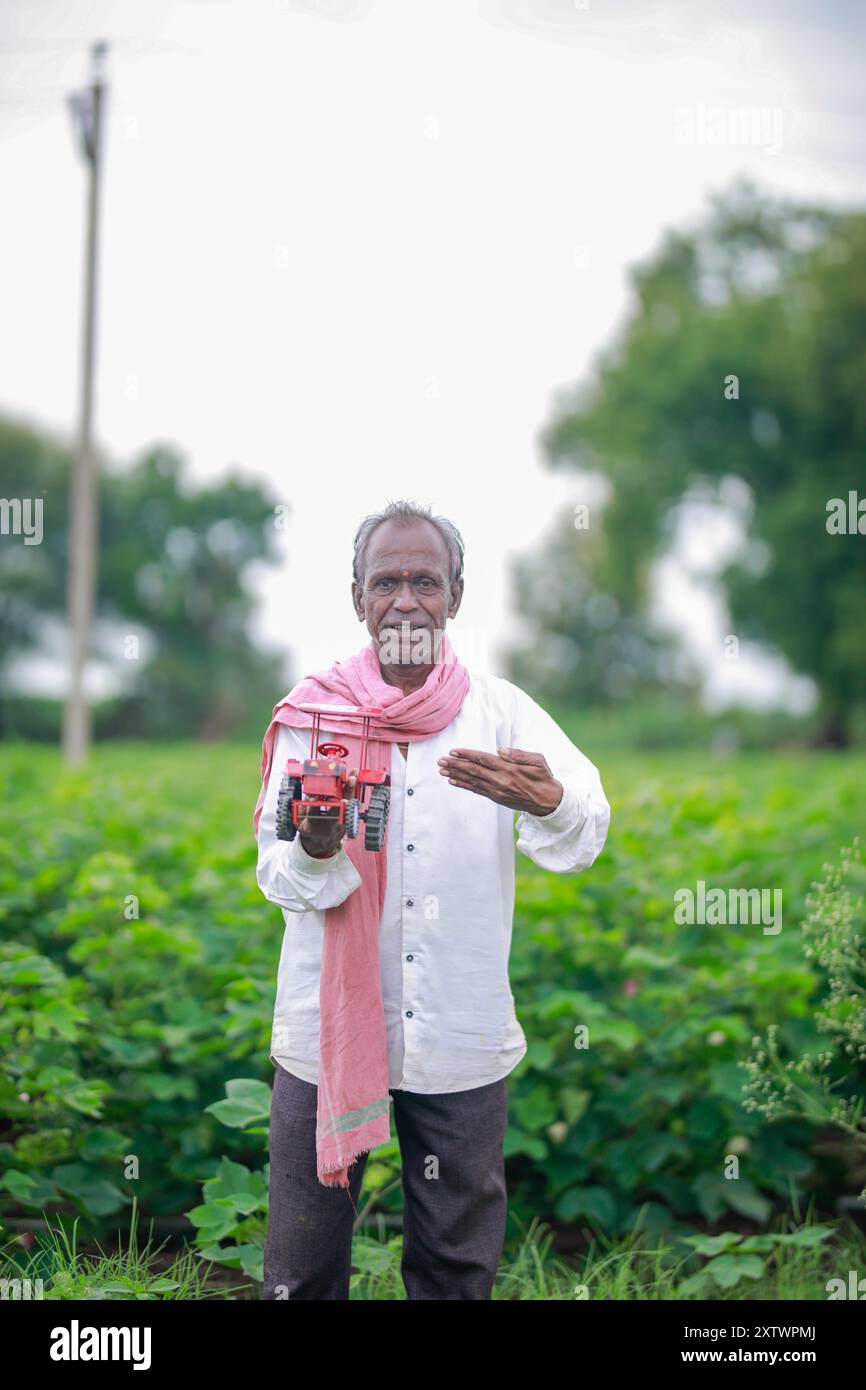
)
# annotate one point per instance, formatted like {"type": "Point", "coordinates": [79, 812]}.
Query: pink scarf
{"type": "Point", "coordinates": [353, 1100]}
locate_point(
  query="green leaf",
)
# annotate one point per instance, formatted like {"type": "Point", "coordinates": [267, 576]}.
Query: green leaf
{"type": "Point", "coordinates": [104, 1142]}
{"type": "Point", "coordinates": [256, 1094]}
{"type": "Point", "coordinates": [594, 1203]}
{"type": "Point", "coordinates": [214, 1223]}
{"type": "Point", "coordinates": [745, 1199]}
{"type": "Point", "coordinates": [96, 1194]}
{"type": "Point", "coordinates": [620, 1031]}
{"type": "Point", "coordinates": [233, 1177]}
{"type": "Point", "coordinates": [372, 1257]}
{"type": "Point", "coordinates": [535, 1110]}
{"type": "Point", "coordinates": [167, 1086]}
{"type": "Point", "coordinates": [252, 1261]}
{"type": "Point", "coordinates": [518, 1142]}
{"type": "Point", "coordinates": [573, 1103]}
{"type": "Point", "coordinates": [248, 1102]}
{"type": "Point", "coordinates": [714, 1245]}
{"type": "Point", "coordinates": [808, 1236]}
{"type": "Point", "coordinates": [246, 1202]}
{"type": "Point", "coordinates": [728, 1270]}
{"type": "Point", "coordinates": [539, 1054]}
{"type": "Point", "coordinates": [31, 1190]}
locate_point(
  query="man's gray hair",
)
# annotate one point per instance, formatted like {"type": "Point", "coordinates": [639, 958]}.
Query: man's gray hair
{"type": "Point", "coordinates": [404, 513]}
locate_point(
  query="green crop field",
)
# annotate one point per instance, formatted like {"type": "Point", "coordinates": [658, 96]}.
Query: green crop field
{"type": "Point", "coordinates": [137, 974]}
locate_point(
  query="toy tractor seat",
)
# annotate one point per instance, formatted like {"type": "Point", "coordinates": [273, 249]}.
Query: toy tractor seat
{"type": "Point", "coordinates": [324, 767]}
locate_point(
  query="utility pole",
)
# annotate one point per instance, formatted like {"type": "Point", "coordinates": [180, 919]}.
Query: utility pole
{"type": "Point", "coordinates": [86, 107]}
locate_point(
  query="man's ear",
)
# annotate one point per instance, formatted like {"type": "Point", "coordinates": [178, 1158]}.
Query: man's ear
{"type": "Point", "coordinates": [456, 597]}
{"type": "Point", "coordinates": [358, 600]}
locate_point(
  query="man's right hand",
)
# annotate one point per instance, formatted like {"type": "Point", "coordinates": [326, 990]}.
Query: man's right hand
{"type": "Point", "coordinates": [324, 834]}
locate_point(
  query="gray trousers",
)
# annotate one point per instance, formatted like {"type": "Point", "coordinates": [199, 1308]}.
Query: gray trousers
{"type": "Point", "coordinates": [454, 1197]}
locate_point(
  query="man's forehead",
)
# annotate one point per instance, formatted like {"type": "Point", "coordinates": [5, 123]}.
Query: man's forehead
{"type": "Point", "coordinates": [407, 554]}
{"type": "Point", "coordinates": [383, 567]}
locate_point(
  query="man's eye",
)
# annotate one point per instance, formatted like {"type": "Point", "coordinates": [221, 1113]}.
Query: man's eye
{"type": "Point", "coordinates": [424, 582]}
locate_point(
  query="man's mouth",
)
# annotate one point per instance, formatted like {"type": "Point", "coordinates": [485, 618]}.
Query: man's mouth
{"type": "Point", "coordinates": [397, 644]}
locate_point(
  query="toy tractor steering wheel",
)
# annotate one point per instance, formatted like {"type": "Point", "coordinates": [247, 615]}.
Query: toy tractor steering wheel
{"type": "Point", "coordinates": [331, 750]}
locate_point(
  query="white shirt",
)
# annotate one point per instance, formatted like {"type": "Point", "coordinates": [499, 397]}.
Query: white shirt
{"type": "Point", "coordinates": [445, 932]}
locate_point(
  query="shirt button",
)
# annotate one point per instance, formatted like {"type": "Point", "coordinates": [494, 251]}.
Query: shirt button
{"type": "Point", "coordinates": [410, 902]}
{"type": "Point", "coordinates": [410, 957]}
{"type": "Point", "coordinates": [410, 792]}
{"type": "Point", "coordinates": [408, 1013]}
{"type": "Point", "coordinates": [410, 846]}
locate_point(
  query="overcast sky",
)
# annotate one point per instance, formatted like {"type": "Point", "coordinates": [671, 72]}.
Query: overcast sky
{"type": "Point", "coordinates": [356, 247]}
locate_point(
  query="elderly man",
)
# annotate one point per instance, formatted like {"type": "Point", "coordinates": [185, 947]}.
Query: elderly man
{"type": "Point", "coordinates": [393, 985]}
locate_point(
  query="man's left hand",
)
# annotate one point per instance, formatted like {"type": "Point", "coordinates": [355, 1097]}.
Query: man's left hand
{"type": "Point", "coordinates": [514, 778]}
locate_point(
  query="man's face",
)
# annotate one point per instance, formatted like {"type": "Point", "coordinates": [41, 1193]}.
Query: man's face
{"type": "Point", "coordinates": [406, 580]}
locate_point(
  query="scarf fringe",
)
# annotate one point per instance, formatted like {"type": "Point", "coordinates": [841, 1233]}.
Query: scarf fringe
{"type": "Point", "coordinates": [335, 1165]}
{"type": "Point", "coordinates": [332, 1166]}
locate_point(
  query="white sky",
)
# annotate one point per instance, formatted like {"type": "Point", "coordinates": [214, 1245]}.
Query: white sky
{"type": "Point", "coordinates": [356, 247]}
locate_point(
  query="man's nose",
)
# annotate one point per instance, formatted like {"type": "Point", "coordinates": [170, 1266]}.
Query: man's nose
{"type": "Point", "coordinates": [404, 599]}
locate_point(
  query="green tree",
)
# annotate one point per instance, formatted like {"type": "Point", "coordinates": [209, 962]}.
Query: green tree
{"type": "Point", "coordinates": [586, 648]}
{"type": "Point", "coordinates": [744, 356]}
{"type": "Point", "coordinates": [173, 563]}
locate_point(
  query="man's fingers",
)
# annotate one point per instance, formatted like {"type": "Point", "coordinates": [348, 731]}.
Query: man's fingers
{"type": "Point", "coordinates": [476, 756]}
{"type": "Point", "coordinates": [519, 755]}
{"type": "Point", "coordinates": [472, 767]}
{"type": "Point", "coordinates": [321, 830]}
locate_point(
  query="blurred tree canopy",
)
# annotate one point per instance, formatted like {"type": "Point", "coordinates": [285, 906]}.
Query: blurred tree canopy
{"type": "Point", "coordinates": [172, 565]}
{"type": "Point", "coordinates": [584, 647]}
{"type": "Point", "coordinates": [744, 357]}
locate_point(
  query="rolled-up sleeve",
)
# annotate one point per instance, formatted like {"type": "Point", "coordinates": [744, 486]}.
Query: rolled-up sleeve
{"type": "Point", "coordinates": [286, 874]}
{"type": "Point", "coordinates": [572, 836]}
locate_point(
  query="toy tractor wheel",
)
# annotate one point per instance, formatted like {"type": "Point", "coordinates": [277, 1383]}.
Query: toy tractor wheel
{"type": "Point", "coordinates": [377, 818]}
{"type": "Point", "coordinates": [353, 810]}
{"type": "Point", "coordinates": [290, 791]}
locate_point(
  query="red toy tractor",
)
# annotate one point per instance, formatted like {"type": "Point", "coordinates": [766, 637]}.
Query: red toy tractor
{"type": "Point", "coordinates": [317, 786]}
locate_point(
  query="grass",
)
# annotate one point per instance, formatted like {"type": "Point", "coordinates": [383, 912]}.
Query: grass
{"type": "Point", "coordinates": [627, 1269]}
